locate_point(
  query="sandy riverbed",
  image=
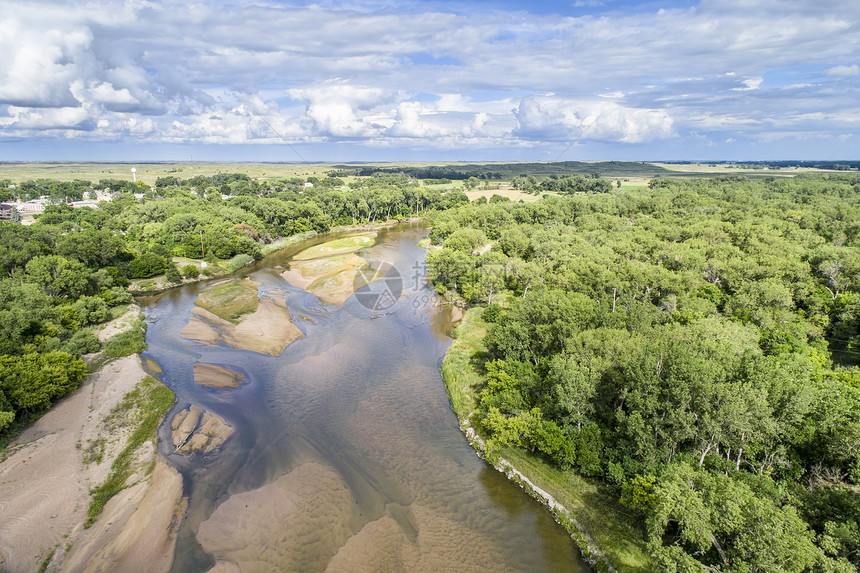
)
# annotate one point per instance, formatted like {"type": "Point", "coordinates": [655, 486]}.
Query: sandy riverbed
{"type": "Point", "coordinates": [333, 271]}
{"type": "Point", "coordinates": [267, 330]}
{"type": "Point", "coordinates": [49, 470]}
{"type": "Point", "coordinates": [195, 430]}
{"type": "Point", "coordinates": [216, 376]}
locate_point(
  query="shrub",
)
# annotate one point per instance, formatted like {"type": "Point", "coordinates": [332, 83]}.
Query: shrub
{"type": "Point", "coordinates": [91, 310]}
{"type": "Point", "coordinates": [126, 343]}
{"type": "Point", "coordinates": [147, 265]}
{"type": "Point", "coordinates": [82, 342]}
{"type": "Point", "coordinates": [190, 271]}
{"type": "Point", "coordinates": [172, 273]}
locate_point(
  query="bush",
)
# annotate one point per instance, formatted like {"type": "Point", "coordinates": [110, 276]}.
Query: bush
{"type": "Point", "coordinates": [126, 343]}
{"type": "Point", "coordinates": [172, 273]}
{"type": "Point", "coordinates": [492, 313]}
{"type": "Point", "coordinates": [91, 310]}
{"type": "Point", "coordinates": [33, 381]}
{"type": "Point", "coordinates": [82, 342]}
{"type": "Point", "coordinates": [190, 271]}
{"type": "Point", "coordinates": [147, 265]}
{"type": "Point", "coordinates": [116, 296]}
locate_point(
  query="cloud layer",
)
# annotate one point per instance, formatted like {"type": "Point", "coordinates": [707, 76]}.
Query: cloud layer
{"type": "Point", "coordinates": [731, 77]}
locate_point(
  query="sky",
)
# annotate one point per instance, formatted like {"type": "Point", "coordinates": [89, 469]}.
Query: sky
{"type": "Point", "coordinates": [422, 80]}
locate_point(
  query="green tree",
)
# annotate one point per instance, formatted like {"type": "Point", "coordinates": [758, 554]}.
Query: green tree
{"type": "Point", "coordinates": [59, 276]}
{"type": "Point", "coordinates": [33, 381]}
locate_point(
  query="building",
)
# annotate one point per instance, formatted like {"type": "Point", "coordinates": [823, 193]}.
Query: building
{"type": "Point", "coordinates": [8, 212]}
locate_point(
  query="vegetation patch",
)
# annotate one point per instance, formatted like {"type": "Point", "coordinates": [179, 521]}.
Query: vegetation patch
{"type": "Point", "coordinates": [230, 301]}
{"type": "Point", "coordinates": [143, 408]}
{"type": "Point", "coordinates": [126, 343]}
{"type": "Point", "coordinates": [690, 347]}
{"type": "Point", "coordinates": [592, 506]}
{"type": "Point", "coordinates": [337, 247]}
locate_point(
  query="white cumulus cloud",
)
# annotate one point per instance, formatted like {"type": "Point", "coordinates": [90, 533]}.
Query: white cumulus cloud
{"type": "Point", "coordinates": [556, 119]}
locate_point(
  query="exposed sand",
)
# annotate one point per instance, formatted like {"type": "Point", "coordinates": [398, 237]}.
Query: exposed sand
{"type": "Point", "coordinates": [45, 484]}
{"type": "Point", "coordinates": [117, 325]}
{"type": "Point", "coordinates": [332, 280]}
{"type": "Point", "coordinates": [267, 330]}
{"type": "Point", "coordinates": [216, 376]}
{"type": "Point", "coordinates": [137, 529]}
{"type": "Point", "coordinates": [304, 520]}
{"type": "Point", "coordinates": [194, 430]}
{"type": "Point", "coordinates": [295, 523]}
{"type": "Point", "coordinates": [436, 543]}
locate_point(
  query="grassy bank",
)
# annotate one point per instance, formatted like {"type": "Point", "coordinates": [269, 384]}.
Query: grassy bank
{"type": "Point", "coordinates": [142, 409]}
{"type": "Point", "coordinates": [589, 503]}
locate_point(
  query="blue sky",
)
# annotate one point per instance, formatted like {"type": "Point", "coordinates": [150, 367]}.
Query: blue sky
{"type": "Point", "coordinates": [371, 80]}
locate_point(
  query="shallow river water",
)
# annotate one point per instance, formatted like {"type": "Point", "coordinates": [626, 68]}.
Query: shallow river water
{"type": "Point", "coordinates": [345, 454]}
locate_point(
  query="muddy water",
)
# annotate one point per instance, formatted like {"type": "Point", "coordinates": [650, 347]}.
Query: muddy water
{"type": "Point", "coordinates": [345, 455]}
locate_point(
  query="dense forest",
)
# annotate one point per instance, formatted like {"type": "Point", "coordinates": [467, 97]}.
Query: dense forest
{"type": "Point", "coordinates": [692, 345]}
{"type": "Point", "coordinates": [61, 276]}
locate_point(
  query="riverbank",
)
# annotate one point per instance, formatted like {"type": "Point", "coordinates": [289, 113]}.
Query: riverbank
{"type": "Point", "coordinates": [83, 489]}
{"type": "Point", "coordinates": [225, 268]}
{"type": "Point", "coordinates": [597, 523]}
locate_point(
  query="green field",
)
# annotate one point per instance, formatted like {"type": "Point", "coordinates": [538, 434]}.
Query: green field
{"type": "Point", "coordinates": [630, 173]}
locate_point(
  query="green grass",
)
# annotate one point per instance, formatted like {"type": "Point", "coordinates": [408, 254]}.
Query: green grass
{"type": "Point", "coordinates": [47, 561]}
{"type": "Point", "coordinates": [613, 528]}
{"type": "Point", "coordinates": [127, 343]}
{"type": "Point", "coordinates": [461, 377]}
{"type": "Point", "coordinates": [286, 242]}
{"type": "Point", "coordinates": [237, 262]}
{"type": "Point", "coordinates": [230, 301]}
{"type": "Point", "coordinates": [150, 400]}
{"type": "Point", "coordinates": [95, 451]}
{"type": "Point", "coordinates": [337, 247]}
{"type": "Point", "coordinates": [118, 311]}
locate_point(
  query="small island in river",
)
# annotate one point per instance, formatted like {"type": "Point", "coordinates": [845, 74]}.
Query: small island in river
{"type": "Point", "coordinates": [333, 271]}
{"type": "Point", "coordinates": [233, 313]}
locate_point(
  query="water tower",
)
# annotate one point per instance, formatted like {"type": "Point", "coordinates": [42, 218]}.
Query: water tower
{"type": "Point", "coordinates": [134, 174]}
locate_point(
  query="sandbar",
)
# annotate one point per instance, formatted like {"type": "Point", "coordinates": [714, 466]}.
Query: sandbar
{"type": "Point", "coordinates": [332, 280]}
{"type": "Point", "coordinates": [337, 246]}
{"type": "Point", "coordinates": [268, 330]}
{"type": "Point", "coordinates": [45, 483]}
{"type": "Point", "coordinates": [216, 376]}
{"type": "Point", "coordinates": [292, 524]}
{"type": "Point", "coordinates": [195, 430]}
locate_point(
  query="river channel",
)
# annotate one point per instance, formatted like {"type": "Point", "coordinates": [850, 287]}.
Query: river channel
{"type": "Point", "coordinates": [345, 454]}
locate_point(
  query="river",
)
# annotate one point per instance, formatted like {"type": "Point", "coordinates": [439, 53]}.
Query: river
{"type": "Point", "coordinates": [345, 454]}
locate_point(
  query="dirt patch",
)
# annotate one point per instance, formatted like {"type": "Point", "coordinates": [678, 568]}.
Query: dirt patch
{"type": "Point", "coordinates": [216, 376]}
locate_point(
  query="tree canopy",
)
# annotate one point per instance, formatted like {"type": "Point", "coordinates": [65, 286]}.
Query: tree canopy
{"type": "Point", "coordinates": [692, 344]}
